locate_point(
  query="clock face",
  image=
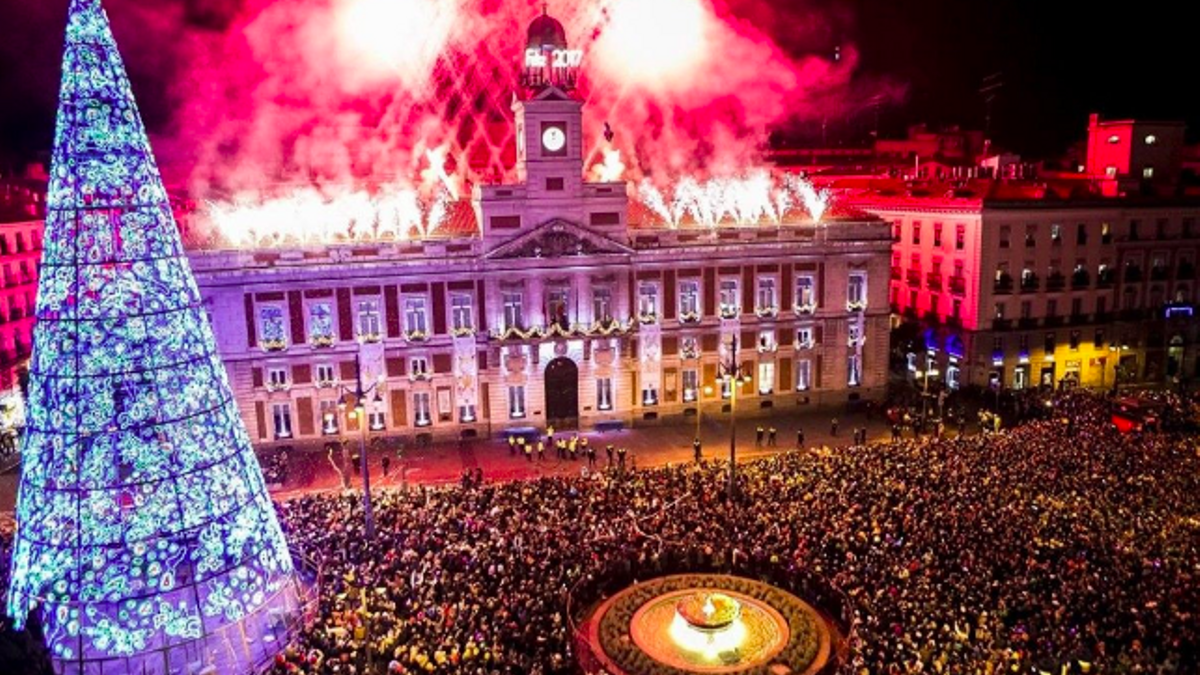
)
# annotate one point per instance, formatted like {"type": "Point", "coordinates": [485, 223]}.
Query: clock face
{"type": "Point", "coordinates": [553, 139]}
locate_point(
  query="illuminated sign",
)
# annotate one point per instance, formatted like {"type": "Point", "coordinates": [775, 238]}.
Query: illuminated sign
{"type": "Point", "coordinates": [559, 58]}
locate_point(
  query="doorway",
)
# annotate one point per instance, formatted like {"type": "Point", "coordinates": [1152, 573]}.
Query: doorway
{"type": "Point", "coordinates": [562, 393]}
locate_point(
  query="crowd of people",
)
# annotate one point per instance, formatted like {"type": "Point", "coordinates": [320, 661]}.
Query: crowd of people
{"type": "Point", "coordinates": [1056, 546]}
{"type": "Point", "coordinates": [1059, 546]}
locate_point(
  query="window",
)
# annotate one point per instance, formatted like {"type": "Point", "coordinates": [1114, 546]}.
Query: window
{"type": "Point", "coordinates": [1052, 308]}
{"type": "Point", "coordinates": [554, 184]}
{"type": "Point", "coordinates": [281, 413]}
{"type": "Point", "coordinates": [806, 294]}
{"type": "Point", "coordinates": [766, 294]}
{"type": "Point", "coordinates": [1081, 236]}
{"type": "Point", "coordinates": [466, 413]}
{"type": "Point", "coordinates": [916, 233]}
{"type": "Point", "coordinates": [1101, 304]}
{"type": "Point", "coordinates": [766, 378]}
{"type": "Point", "coordinates": [956, 309]}
{"type": "Point", "coordinates": [1105, 233]}
{"type": "Point", "coordinates": [1098, 340]}
{"type": "Point", "coordinates": [325, 376]}
{"type": "Point", "coordinates": [730, 305]}
{"type": "Point", "coordinates": [602, 304]}
{"type": "Point", "coordinates": [1026, 309]}
{"type": "Point", "coordinates": [1023, 344]}
{"type": "Point", "coordinates": [368, 320]}
{"type": "Point", "coordinates": [1075, 338]}
{"type": "Point", "coordinates": [999, 310]}
{"type": "Point", "coordinates": [556, 308]}
{"type": "Point", "coordinates": [1133, 230]}
{"type": "Point", "coordinates": [691, 385]}
{"type": "Point", "coordinates": [1048, 344]}
{"type": "Point", "coordinates": [648, 302]}
{"type": "Point", "coordinates": [462, 315]}
{"type": "Point", "coordinates": [1076, 306]}
{"type": "Point", "coordinates": [1056, 234]}
{"type": "Point", "coordinates": [1160, 228]}
{"type": "Point", "coordinates": [376, 420]}
{"type": "Point", "coordinates": [320, 323]}
{"type": "Point", "coordinates": [274, 333]}
{"type": "Point", "coordinates": [998, 346]}
{"type": "Point", "coordinates": [650, 394]}
{"type": "Point", "coordinates": [689, 300]}
{"type": "Point", "coordinates": [516, 401]}
{"type": "Point", "coordinates": [329, 417]}
{"type": "Point", "coordinates": [854, 370]}
{"type": "Point", "coordinates": [896, 235]}
{"type": "Point", "coordinates": [418, 368]}
{"type": "Point", "coordinates": [277, 378]}
{"type": "Point", "coordinates": [766, 340]}
{"type": "Point", "coordinates": [804, 337]}
{"type": "Point", "coordinates": [960, 237]}
{"type": "Point", "coordinates": [1030, 236]}
{"type": "Point", "coordinates": [937, 234]}
{"type": "Point", "coordinates": [689, 348]}
{"type": "Point", "coordinates": [1005, 235]}
{"type": "Point", "coordinates": [414, 317]}
{"type": "Point", "coordinates": [935, 303]}
{"type": "Point", "coordinates": [1151, 139]}
{"type": "Point", "coordinates": [422, 415]}
{"type": "Point", "coordinates": [1110, 171]}
{"type": "Point", "coordinates": [803, 375]}
{"type": "Point", "coordinates": [1114, 139]}
{"type": "Point", "coordinates": [856, 333]}
{"type": "Point", "coordinates": [512, 311]}
{"type": "Point", "coordinates": [856, 291]}
{"type": "Point", "coordinates": [604, 395]}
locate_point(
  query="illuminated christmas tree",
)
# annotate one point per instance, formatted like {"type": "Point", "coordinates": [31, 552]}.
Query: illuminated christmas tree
{"type": "Point", "coordinates": [145, 535]}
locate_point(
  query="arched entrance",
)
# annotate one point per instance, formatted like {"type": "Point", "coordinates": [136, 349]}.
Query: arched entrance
{"type": "Point", "coordinates": [562, 393]}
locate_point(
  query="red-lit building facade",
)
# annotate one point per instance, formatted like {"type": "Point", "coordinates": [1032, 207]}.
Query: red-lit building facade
{"type": "Point", "coordinates": [20, 253]}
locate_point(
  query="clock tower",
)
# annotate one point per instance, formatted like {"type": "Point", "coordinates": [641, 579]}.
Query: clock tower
{"type": "Point", "coordinates": [550, 149]}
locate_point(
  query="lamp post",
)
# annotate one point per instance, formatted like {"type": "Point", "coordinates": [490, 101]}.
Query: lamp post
{"type": "Point", "coordinates": [360, 409]}
{"type": "Point", "coordinates": [706, 391]}
{"type": "Point", "coordinates": [733, 376]}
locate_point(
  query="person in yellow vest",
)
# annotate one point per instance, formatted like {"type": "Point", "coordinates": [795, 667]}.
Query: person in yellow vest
{"type": "Point", "coordinates": [529, 451]}
{"type": "Point", "coordinates": [512, 444]}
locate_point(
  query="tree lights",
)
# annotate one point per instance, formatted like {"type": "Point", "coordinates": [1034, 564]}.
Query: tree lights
{"type": "Point", "coordinates": [144, 529]}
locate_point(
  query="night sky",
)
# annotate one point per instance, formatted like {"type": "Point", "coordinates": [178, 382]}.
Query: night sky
{"type": "Point", "coordinates": [1059, 61]}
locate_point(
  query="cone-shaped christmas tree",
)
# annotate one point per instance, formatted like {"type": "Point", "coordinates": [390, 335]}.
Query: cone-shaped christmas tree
{"type": "Point", "coordinates": [145, 536]}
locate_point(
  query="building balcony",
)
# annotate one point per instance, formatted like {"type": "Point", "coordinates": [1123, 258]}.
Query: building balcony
{"type": "Point", "coordinates": [1080, 279]}
{"type": "Point", "coordinates": [897, 274]}
{"type": "Point", "coordinates": [1105, 279]}
{"type": "Point", "coordinates": [1027, 323]}
{"type": "Point", "coordinates": [933, 281]}
{"type": "Point", "coordinates": [1056, 282]}
{"type": "Point", "coordinates": [958, 285]}
{"type": "Point", "coordinates": [1001, 324]}
{"type": "Point", "coordinates": [1003, 285]}
{"type": "Point", "coordinates": [1030, 283]}
{"type": "Point", "coordinates": [914, 278]}
{"type": "Point", "coordinates": [1132, 275]}
{"type": "Point", "coordinates": [1052, 321]}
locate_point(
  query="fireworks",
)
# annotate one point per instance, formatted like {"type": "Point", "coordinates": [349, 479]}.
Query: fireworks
{"type": "Point", "coordinates": [745, 200]}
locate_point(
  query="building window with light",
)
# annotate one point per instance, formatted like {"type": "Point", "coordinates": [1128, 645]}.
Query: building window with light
{"type": "Point", "coordinates": [329, 418]}
{"type": "Point", "coordinates": [415, 325]}
{"type": "Point", "coordinates": [689, 300]}
{"type": "Point", "coordinates": [556, 308]}
{"type": "Point", "coordinates": [804, 337]}
{"type": "Point", "coordinates": [691, 385]}
{"type": "Point", "coordinates": [281, 414]}
{"type": "Point", "coordinates": [650, 395]}
{"type": "Point", "coordinates": [766, 340]}
{"type": "Point", "coordinates": [418, 368]}
{"type": "Point", "coordinates": [1055, 234]}
{"type": "Point", "coordinates": [602, 304]}
{"type": "Point", "coordinates": [803, 375]}
{"type": "Point", "coordinates": [604, 393]}
{"type": "Point", "coordinates": [916, 233]}
{"type": "Point", "coordinates": [937, 234]}
{"type": "Point", "coordinates": [325, 375]}
{"type": "Point", "coordinates": [277, 378]}
{"type": "Point", "coordinates": [376, 420]}
{"type": "Point", "coordinates": [806, 294]}
{"type": "Point", "coordinates": [462, 314]}
{"type": "Point", "coordinates": [513, 302]}
{"type": "Point", "coordinates": [272, 327]}
{"type": "Point", "coordinates": [730, 302]}
{"type": "Point", "coordinates": [766, 295]}
{"type": "Point", "coordinates": [320, 324]}
{"type": "Point", "coordinates": [854, 370]}
{"type": "Point", "coordinates": [466, 413]}
{"type": "Point", "coordinates": [1151, 139]}
{"type": "Point", "coordinates": [856, 291]}
{"type": "Point", "coordinates": [516, 401]}
{"type": "Point", "coordinates": [422, 412]}
{"type": "Point", "coordinates": [1148, 172]}
{"type": "Point", "coordinates": [648, 303]}
{"type": "Point", "coordinates": [368, 321]}
{"type": "Point", "coordinates": [766, 378]}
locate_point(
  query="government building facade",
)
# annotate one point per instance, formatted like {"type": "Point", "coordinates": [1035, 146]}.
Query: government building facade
{"type": "Point", "coordinates": [550, 301]}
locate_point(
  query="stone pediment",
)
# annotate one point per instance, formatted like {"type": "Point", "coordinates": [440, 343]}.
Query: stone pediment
{"type": "Point", "coordinates": [558, 239]}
